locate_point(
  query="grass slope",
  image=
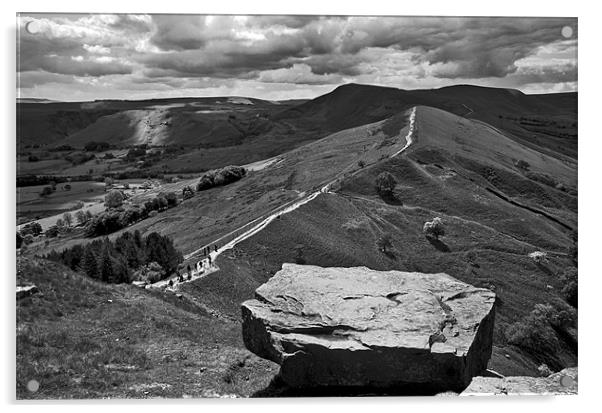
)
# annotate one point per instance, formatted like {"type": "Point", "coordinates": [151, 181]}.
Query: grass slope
{"type": "Point", "coordinates": [83, 339]}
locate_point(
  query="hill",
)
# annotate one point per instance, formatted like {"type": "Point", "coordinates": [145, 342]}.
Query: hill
{"type": "Point", "coordinates": [501, 199]}
{"type": "Point", "coordinates": [545, 122]}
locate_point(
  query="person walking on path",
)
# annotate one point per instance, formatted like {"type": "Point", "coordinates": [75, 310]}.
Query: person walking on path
{"type": "Point", "coordinates": [215, 247]}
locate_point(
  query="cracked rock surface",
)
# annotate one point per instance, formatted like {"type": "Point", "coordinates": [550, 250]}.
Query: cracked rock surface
{"type": "Point", "coordinates": [563, 382]}
{"type": "Point", "coordinates": [360, 327]}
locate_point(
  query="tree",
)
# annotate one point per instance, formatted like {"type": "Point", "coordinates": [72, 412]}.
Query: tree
{"type": "Point", "coordinates": [19, 240]}
{"type": "Point", "coordinates": [434, 229]}
{"type": "Point", "coordinates": [384, 242]}
{"type": "Point", "coordinates": [33, 228]}
{"type": "Point", "coordinates": [385, 184]}
{"type": "Point", "coordinates": [114, 199]}
{"type": "Point", "coordinates": [52, 232]}
{"type": "Point", "coordinates": [67, 187]}
{"type": "Point", "coordinates": [68, 218]}
{"type": "Point", "coordinates": [82, 217]}
{"type": "Point", "coordinates": [60, 224]}
{"type": "Point", "coordinates": [106, 266]}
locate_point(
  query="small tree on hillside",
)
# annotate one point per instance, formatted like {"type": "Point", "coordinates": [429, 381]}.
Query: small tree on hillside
{"type": "Point", "coordinates": [68, 218]}
{"type": "Point", "coordinates": [187, 192]}
{"type": "Point", "coordinates": [81, 217]}
{"type": "Point", "coordinates": [114, 199]}
{"type": "Point", "coordinates": [434, 229]}
{"type": "Point", "coordinates": [385, 184]}
{"type": "Point", "coordinates": [384, 242]}
{"type": "Point", "coordinates": [46, 191]}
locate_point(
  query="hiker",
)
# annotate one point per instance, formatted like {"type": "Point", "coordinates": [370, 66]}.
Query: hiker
{"type": "Point", "coordinates": [215, 247]}
{"type": "Point", "coordinates": [209, 260]}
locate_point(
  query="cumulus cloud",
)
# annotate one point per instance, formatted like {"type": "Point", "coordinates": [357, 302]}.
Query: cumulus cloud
{"type": "Point", "coordinates": [164, 52]}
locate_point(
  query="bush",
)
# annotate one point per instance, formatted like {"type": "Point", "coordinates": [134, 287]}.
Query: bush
{"type": "Point", "coordinates": [187, 192]}
{"type": "Point", "coordinates": [220, 177]}
{"type": "Point", "coordinates": [537, 332]}
{"type": "Point", "coordinates": [522, 165]}
{"type": "Point", "coordinates": [385, 184]}
{"type": "Point", "coordinates": [570, 288]}
{"type": "Point", "coordinates": [150, 273]}
{"type": "Point", "coordinates": [384, 242]}
{"type": "Point", "coordinates": [361, 164]}
{"type": "Point", "coordinates": [52, 232]}
{"type": "Point", "coordinates": [539, 257]}
{"type": "Point", "coordinates": [114, 199]}
{"type": "Point", "coordinates": [434, 229]}
{"type": "Point", "coordinates": [46, 191]}
{"type": "Point", "coordinates": [33, 228]}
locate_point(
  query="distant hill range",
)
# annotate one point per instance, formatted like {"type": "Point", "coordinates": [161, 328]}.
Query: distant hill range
{"type": "Point", "coordinates": [545, 122]}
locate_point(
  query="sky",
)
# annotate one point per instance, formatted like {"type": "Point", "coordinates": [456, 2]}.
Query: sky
{"type": "Point", "coordinates": [71, 57]}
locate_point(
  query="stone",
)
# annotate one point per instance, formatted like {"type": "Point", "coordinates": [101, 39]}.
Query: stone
{"type": "Point", "coordinates": [26, 291]}
{"type": "Point", "coordinates": [563, 382]}
{"type": "Point", "coordinates": [356, 327]}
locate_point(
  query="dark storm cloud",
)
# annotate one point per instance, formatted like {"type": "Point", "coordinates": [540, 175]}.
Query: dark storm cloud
{"type": "Point", "coordinates": [198, 51]}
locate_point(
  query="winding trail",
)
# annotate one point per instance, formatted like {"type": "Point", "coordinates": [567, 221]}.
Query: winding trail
{"type": "Point", "coordinates": [202, 268]}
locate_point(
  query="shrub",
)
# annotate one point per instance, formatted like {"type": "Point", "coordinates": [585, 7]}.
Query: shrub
{"type": "Point", "coordinates": [539, 257]}
{"type": "Point", "coordinates": [537, 332]}
{"type": "Point", "coordinates": [522, 165]}
{"type": "Point", "coordinates": [385, 184]}
{"type": "Point", "coordinates": [114, 199]}
{"type": "Point", "coordinates": [434, 229]}
{"type": "Point", "coordinates": [570, 288]}
{"type": "Point", "coordinates": [33, 158]}
{"type": "Point", "coordinates": [52, 232]}
{"type": "Point", "coordinates": [187, 192]}
{"type": "Point", "coordinates": [27, 239]}
{"type": "Point", "coordinates": [361, 164]}
{"type": "Point", "coordinates": [384, 242]}
{"type": "Point", "coordinates": [46, 191]}
{"type": "Point", "coordinates": [150, 273]}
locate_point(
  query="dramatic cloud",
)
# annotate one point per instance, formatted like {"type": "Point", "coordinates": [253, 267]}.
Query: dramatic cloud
{"type": "Point", "coordinates": [129, 56]}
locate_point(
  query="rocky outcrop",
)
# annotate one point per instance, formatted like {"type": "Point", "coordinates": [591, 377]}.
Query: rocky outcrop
{"type": "Point", "coordinates": [26, 291]}
{"type": "Point", "coordinates": [563, 382]}
{"type": "Point", "coordinates": [356, 327]}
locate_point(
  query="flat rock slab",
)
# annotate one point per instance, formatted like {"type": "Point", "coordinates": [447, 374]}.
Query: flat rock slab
{"type": "Point", "coordinates": [351, 327]}
{"type": "Point", "coordinates": [563, 382]}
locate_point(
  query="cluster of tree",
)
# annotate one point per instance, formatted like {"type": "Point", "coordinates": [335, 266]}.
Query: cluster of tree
{"type": "Point", "coordinates": [542, 332]}
{"type": "Point", "coordinates": [32, 228]}
{"type": "Point", "coordinates": [35, 180]}
{"type": "Point", "coordinates": [123, 259]}
{"type": "Point", "coordinates": [219, 177]}
{"type": "Point", "coordinates": [94, 146]}
{"type": "Point", "coordinates": [118, 217]}
{"type": "Point", "coordinates": [78, 158]}
{"type": "Point", "coordinates": [136, 152]}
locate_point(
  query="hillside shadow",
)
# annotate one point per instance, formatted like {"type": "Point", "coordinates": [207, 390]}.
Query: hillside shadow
{"type": "Point", "coordinates": [277, 388]}
{"type": "Point", "coordinates": [437, 243]}
{"type": "Point", "coordinates": [391, 200]}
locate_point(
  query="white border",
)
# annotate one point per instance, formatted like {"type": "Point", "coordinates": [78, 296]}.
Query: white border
{"type": "Point", "coordinates": [590, 135]}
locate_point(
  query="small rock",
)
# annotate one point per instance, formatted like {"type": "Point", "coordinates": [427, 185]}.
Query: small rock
{"type": "Point", "coordinates": [26, 291]}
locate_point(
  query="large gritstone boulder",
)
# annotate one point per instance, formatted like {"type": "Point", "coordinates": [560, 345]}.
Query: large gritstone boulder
{"type": "Point", "coordinates": [360, 328]}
